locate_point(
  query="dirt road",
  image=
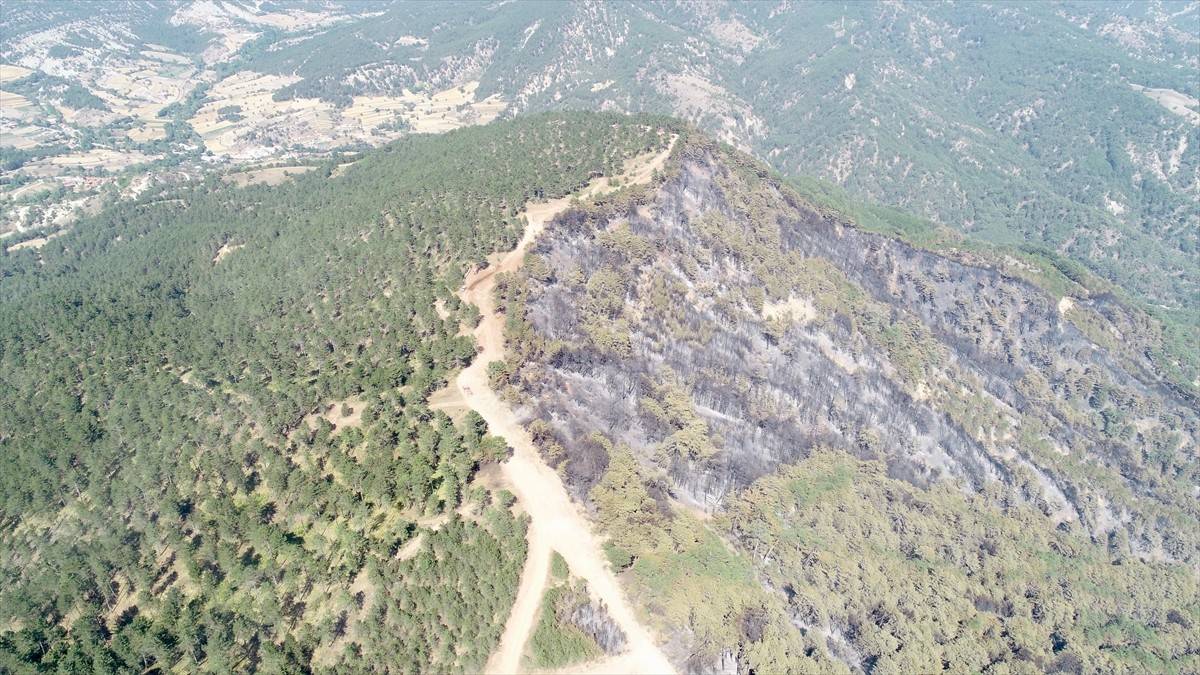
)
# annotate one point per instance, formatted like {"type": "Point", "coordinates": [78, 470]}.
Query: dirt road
{"type": "Point", "coordinates": [556, 522]}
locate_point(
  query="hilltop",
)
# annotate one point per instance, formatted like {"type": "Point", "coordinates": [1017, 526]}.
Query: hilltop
{"type": "Point", "coordinates": [219, 447]}
{"type": "Point", "coordinates": [231, 426]}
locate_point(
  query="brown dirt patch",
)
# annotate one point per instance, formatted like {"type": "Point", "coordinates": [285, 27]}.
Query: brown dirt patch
{"type": "Point", "coordinates": [225, 250]}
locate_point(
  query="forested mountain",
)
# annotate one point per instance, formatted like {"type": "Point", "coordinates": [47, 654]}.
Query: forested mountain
{"type": "Point", "coordinates": [931, 452]}
{"type": "Point", "coordinates": [818, 435]}
{"type": "Point", "coordinates": [218, 452]}
{"type": "Point", "coordinates": [68, 30]}
{"type": "Point", "coordinates": [1070, 126]}
{"type": "Point", "coordinates": [894, 365]}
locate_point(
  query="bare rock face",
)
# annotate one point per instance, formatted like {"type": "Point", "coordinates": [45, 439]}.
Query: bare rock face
{"type": "Point", "coordinates": [721, 326]}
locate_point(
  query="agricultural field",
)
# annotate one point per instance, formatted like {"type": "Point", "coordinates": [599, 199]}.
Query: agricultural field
{"type": "Point", "coordinates": [8, 73]}
{"type": "Point", "coordinates": [143, 89]}
{"type": "Point", "coordinates": [151, 87]}
{"type": "Point", "coordinates": [172, 90]}
{"type": "Point", "coordinates": [243, 120]}
{"type": "Point", "coordinates": [271, 176]}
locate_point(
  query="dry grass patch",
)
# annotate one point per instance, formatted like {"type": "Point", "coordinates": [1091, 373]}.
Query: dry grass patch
{"type": "Point", "coordinates": [449, 400]}
{"type": "Point", "coordinates": [456, 95]}
{"type": "Point", "coordinates": [111, 160]}
{"type": "Point", "coordinates": [441, 112]}
{"type": "Point", "coordinates": [375, 110]}
{"type": "Point", "coordinates": [340, 169]}
{"type": "Point", "coordinates": [232, 42]}
{"type": "Point", "coordinates": [300, 120]}
{"type": "Point", "coordinates": [313, 122]}
{"type": "Point", "coordinates": [801, 310]}
{"type": "Point", "coordinates": [36, 243]}
{"type": "Point", "coordinates": [142, 91]}
{"type": "Point", "coordinates": [247, 82]}
{"type": "Point", "coordinates": [16, 101]}
{"type": "Point", "coordinates": [9, 73]}
{"type": "Point", "coordinates": [165, 56]}
{"type": "Point", "coordinates": [30, 188]}
{"type": "Point", "coordinates": [1177, 102]}
{"type": "Point", "coordinates": [149, 131]}
{"type": "Point", "coordinates": [273, 176]}
{"type": "Point", "coordinates": [25, 138]}
{"type": "Point", "coordinates": [225, 250]}
{"type": "Point", "coordinates": [341, 414]}
{"type": "Point", "coordinates": [426, 113]}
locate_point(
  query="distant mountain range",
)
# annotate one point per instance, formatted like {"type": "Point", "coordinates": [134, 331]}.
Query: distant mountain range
{"type": "Point", "coordinates": [1070, 127]}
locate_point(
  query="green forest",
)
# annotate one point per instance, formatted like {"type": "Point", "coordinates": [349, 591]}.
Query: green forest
{"type": "Point", "coordinates": [219, 455]}
{"type": "Point", "coordinates": [918, 577]}
{"type": "Point", "coordinates": [557, 642]}
{"type": "Point", "coordinates": [872, 573]}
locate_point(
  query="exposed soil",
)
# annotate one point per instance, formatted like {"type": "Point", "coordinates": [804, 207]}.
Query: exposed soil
{"type": "Point", "coordinates": [800, 309]}
{"type": "Point", "coordinates": [225, 250]}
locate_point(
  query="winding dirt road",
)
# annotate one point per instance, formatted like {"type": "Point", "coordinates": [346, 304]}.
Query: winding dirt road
{"type": "Point", "coordinates": [556, 522]}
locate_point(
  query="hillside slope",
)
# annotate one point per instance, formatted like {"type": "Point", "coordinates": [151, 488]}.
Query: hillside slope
{"type": "Point", "coordinates": [718, 345]}
{"type": "Point", "coordinates": [808, 445]}
{"type": "Point", "coordinates": [218, 450]}
{"type": "Point", "coordinates": [1072, 125]}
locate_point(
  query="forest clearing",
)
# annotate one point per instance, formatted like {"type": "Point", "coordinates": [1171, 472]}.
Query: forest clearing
{"type": "Point", "coordinates": [1179, 103]}
{"type": "Point", "coordinates": [270, 176]}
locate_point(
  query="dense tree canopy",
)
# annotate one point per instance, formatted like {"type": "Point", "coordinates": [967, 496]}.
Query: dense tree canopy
{"type": "Point", "coordinates": [217, 449]}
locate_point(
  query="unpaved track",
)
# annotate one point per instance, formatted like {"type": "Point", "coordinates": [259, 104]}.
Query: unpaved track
{"type": "Point", "coordinates": [556, 522]}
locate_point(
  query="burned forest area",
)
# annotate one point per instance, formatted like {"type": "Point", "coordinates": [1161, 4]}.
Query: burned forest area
{"type": "Point", "coordinates": [701, 338]}
{"type": "Point", "coordinates": [720, 330]}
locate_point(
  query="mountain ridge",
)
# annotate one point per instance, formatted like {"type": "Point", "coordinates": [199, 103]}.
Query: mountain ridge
{"type": "Point", "coordinates": [230, 459]}
{"type": "Point", "coordinates": [712, 362]}
{"type": "Point", "coordinates": [918, 106]}
{"type": "Point", "coordinates": [683, 345]}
